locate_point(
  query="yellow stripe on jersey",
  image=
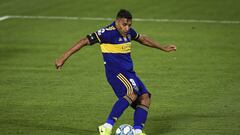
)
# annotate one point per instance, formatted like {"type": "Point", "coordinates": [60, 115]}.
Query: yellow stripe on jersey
{"type": "Point", "coordinates": [116, 48]}
{"type": "Point", "coordinates": [127, 84]}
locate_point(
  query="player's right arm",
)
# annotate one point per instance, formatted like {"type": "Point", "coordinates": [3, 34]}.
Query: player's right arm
{"type": "Point", "coordinates": [88, 40]}
{"type": "Point", "coordinates": [61, 60]}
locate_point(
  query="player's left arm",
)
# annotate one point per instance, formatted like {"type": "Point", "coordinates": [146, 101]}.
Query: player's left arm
{"type": "Point", "coordinates": [142, 39]}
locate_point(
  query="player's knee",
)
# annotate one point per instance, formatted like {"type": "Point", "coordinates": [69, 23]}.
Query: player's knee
{"type": "Point", "coordinates": [131, 97]}
{"type": "Point", "coordinates": [145, 100]}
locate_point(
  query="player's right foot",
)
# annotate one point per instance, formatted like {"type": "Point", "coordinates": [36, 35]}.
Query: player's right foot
{"type": "Point", "coordinates": [104, 131]}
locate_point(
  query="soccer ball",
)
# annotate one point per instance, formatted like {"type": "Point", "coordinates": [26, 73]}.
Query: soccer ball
{"type": "Point", "coordinates": [125, 129]}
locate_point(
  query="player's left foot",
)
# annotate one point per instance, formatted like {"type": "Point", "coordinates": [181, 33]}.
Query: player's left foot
{"type": "Point", "coordinates": [104, 131]}
{"type": "Point", "coordinates": [141, 134]}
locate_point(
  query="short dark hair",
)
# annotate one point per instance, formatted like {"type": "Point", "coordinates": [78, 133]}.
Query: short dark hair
{"type": "Point", "coordinates": [123, 13]}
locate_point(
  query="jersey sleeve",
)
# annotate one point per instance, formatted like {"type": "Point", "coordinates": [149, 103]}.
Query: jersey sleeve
{"type": "Point", "coordinates": [134, 34]}
{"type": "Point", "coordinates": [97, 37]}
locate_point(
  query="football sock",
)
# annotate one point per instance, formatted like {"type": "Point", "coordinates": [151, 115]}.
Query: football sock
{"type": "Point", "coordinates": [118, 109]}
{"type": "Point", "coordinates": [107, 125]}
{"type": "Point", "coordinates": [140, 117]}
{"type": "Point", "coordinates": [138, 131]}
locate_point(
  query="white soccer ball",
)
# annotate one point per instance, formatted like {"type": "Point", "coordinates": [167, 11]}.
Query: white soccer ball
{"type": "Point", "coordinates": [125, 129]}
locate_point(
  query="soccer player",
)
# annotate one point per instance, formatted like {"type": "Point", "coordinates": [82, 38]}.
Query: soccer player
{"type": "Point", "coordinates": [115, 42]}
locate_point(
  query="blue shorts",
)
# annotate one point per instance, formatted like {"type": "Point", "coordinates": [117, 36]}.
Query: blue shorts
{"type": "Point", "coordinates": [124, 83]}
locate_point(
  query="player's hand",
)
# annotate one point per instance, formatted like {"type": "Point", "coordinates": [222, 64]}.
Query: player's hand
{"type": "Point", "coordinates": [58, 64]}
{"type": "Point", "coordinates": [169, 48]}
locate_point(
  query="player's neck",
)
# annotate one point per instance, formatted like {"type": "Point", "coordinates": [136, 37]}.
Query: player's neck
{"type": "Point", "coordinates": [122, 34]}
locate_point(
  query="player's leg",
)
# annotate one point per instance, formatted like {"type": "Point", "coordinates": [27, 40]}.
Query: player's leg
{"type": "Point", "coordinates": [141, 112]}
{"type": "Point", "coordinates": [141, 105]}
{"type": "Point", "coordinates": [119, 107]}
{"type": "Point", "coordinates": [117, 110]}
{"type": "Point", "coordinates": [125, 93]}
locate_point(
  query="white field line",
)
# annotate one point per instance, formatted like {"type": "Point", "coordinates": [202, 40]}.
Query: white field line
{"type": "Point", "coordinates": [111, 19]}
{"type": "Point", "coordinates": [3, 18]}
{"type": "Point", "coordinates": [45, 17]}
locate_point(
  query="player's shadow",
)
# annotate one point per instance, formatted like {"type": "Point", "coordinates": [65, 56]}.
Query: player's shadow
{"type": "Point", "coordinates": [55, 128]}
{"type": "Point", "coordinates": [159, 125]}
{"type": "Point", "coordinates": [167, 123]}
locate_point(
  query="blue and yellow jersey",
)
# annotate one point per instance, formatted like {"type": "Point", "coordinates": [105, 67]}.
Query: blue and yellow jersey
{"type": "Point", "coordinates": [115, 48]}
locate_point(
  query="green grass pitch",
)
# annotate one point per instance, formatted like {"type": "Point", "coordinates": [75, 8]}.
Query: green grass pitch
{"type": "Point", "coordinates": [195, 91]}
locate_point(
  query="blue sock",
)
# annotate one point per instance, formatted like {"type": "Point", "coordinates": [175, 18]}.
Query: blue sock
{"type": "Point", "coordinates": [140, 116]}
{"type": "Point", "coordinates": [118, 109]}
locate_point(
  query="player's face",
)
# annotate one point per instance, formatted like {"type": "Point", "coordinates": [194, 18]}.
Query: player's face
{"type": "Point", "coordinates": [123, 25]}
